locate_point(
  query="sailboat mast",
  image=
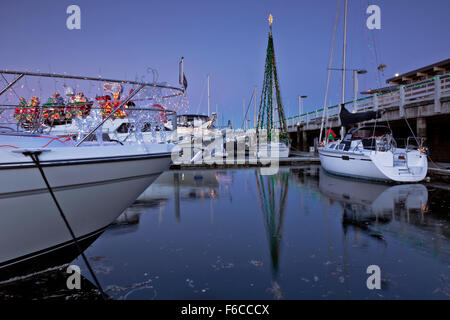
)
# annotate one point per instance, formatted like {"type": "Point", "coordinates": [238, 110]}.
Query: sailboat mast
{"type": "Point", "coordinates": [344, 63]}
{"type": "Point", "coordinates": [344, 53]}
{"type": "Point", "coordinates": [330, 64]}
{"type": "Point", "coordinates": [243, 113]}
{"type": "Point", "coordinates": [208, 98]}
{"type": "Point", "coordinates": [254, 118]}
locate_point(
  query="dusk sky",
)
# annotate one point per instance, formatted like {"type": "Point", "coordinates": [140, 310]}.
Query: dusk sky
{"type": "Point", "coordinates": [226, 39]}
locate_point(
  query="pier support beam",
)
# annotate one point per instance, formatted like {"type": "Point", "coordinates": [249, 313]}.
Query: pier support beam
{"type": "Point", "coordinates": [437, 94]}
{"type": "Point", "coordinates": [421, 127]}
{"type": "Point", "coordinates": [401, 107]}
{"type": "Point", "coordinates": [304, 140]}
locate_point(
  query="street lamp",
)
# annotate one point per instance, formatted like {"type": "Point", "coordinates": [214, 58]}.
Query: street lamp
{"type": "Point", "coordinates": [355, 86]}
{"type": "Point", "coordinates": [300, 104]}
{"type": "Point", "coordinates": [300, 107]}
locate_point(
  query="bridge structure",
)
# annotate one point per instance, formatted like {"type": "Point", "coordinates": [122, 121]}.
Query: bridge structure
{"type": "Point", "coordinates": [425, 105]}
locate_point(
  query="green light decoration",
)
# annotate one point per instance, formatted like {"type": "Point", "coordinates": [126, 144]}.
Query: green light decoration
{"type": "Point", "coordinates": [273, 191]}
{"type": "Point", "coordinates": [270, 95]}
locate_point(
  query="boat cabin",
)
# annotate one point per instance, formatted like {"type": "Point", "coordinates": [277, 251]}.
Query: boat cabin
{"type": "Point", "coordinates": [191, 120]}
{"type": "Point", "coordinates": [368, 136]}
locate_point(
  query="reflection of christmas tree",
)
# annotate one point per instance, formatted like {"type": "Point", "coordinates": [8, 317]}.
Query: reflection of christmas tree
{"type": "Point", "coordinates": [273, 206]}
{"type": "Point", "coordinates": [270, 104]}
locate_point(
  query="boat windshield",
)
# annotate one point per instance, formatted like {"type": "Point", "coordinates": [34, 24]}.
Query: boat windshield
{"type": "Point", "coordinates": [370, 132]}
{"type": "Point", "coordinates": [191, 120]}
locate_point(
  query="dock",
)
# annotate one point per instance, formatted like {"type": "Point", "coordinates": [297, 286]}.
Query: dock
{"type": "Point", "coordinates": [296, 158]}
{"type": "Point", "coordinates": [439, 171]}
{"type": "Point", "coordinates": [436, 171]}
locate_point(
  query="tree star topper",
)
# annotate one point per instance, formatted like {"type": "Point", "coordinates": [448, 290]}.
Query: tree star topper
{"type": "Point", "coordinates": [270, 19]}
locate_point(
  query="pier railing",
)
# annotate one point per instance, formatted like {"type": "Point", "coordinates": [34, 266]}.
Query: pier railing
{"type": "Point", "coordinates": [431, 90]}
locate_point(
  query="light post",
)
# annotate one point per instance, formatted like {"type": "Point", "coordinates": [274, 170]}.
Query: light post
{"type": "Point", "coordinates": [355, 86]}
{"type": "Point", "coordinates": [355, 82]}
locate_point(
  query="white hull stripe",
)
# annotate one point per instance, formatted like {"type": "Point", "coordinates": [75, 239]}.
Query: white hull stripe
{"type": "Point", "coordinates": [53, 163]}
{"type": "Point", "coordinates": [342, 157]}
{"type": "Point", "coordinates": [73, 186]}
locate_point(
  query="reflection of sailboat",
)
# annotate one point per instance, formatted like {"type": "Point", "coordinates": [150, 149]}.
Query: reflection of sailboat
{"type": "Point", "coordinates": [373, 210]}
{"type": "Point", "coordinates": [366, 204]}
{"type": "Point", "coordinates": [273, 207]}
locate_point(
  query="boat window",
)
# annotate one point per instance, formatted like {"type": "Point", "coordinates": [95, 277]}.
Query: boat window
{"type": "Point", "coordinates": [123, 128]}
{"type": "Point", "coordinates": [341, 146]}
{"type": "Point", "coordinates": [368, 132]}
{"type": "Point", "coordinates": [332, 145]}
{"type": "Point", "coordinates": [147, 127]}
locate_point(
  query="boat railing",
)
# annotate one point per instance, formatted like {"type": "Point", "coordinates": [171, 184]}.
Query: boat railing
{"type": "Point", "coordinates": [65, 106]}
{"type": "Point", "coordinates": [431, 90]}
{"type": "Point", "coordinates": [386, 143]}
{"type": "Point", "coordinates": [38, 118]}
{"type": "Point", "coordinates": [414, 143]}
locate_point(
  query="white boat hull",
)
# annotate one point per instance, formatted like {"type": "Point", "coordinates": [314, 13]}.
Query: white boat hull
{"type": "Point", "coordinates": [92, 191]}
{"type": "Point", "coordinates": [358, 166]}
{"type": "Point", "coordinates": [373, 165]}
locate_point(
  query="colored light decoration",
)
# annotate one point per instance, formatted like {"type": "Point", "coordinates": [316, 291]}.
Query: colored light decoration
{"type": "Point", "coordinates": [271, 97]}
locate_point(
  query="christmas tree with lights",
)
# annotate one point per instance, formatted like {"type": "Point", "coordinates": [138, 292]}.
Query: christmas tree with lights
{"type": "Point", "coordinates": [270, 104]}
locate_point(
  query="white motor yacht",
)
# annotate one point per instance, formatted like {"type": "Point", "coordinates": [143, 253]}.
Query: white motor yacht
{"type": "Point", "coordinates": [93, 184]}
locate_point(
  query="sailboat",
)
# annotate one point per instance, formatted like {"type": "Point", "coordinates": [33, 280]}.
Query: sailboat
{"type": "Point", "coordinates": [370, 152]}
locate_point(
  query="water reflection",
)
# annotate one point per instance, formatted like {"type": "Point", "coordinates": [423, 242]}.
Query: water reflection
{"type": "Point", "coordinates": [272, 191]}
{"type": "Point", "coordinates": [321, 232]}
{"type": "Point", "coordinates": [380, 210]}
{"type": "Point", "coordinates": [302, 233]}
{"type": "Point", "coordinates": [45, 277]}
{"type": "Point", "coordinates": [48, 285]}
{"type": "Point", "coordinates": [181, 186]}
{"type": "Point", "coordinates": [369, 207]}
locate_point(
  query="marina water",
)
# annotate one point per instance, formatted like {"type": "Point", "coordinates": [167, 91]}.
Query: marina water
{"type": "Point", "coordinates": [299, 234]}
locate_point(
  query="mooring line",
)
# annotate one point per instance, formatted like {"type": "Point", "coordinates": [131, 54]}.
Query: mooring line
{"type": "Point", "coordinates": [34, 155]}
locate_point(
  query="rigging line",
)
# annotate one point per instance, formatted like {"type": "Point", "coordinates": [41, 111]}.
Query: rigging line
{"type": "Point", "coordinates": [201, 97]}
{"type": "Point", "coordinates": [7, 83]}
{"type": "Point", "coordinates": [412, 132]}
{"type": "Point", "coordinates": [373, 135]}
{"type": "Point", "coordinates": [376, 58]}
{"type": "Point", "coordinates": [437, 166]}
{"type": "Point", "coordinates": [248, 107]}
{"type": "Point", "coordinates": [34, 155]}
{"type": "Point", "coordinates": [372, 34]}
{"type": "Point", "coordinates": [329, 69]}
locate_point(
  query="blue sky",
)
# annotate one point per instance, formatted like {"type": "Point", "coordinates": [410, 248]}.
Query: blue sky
{"type": "Point", "coordinates": [226, 39]}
